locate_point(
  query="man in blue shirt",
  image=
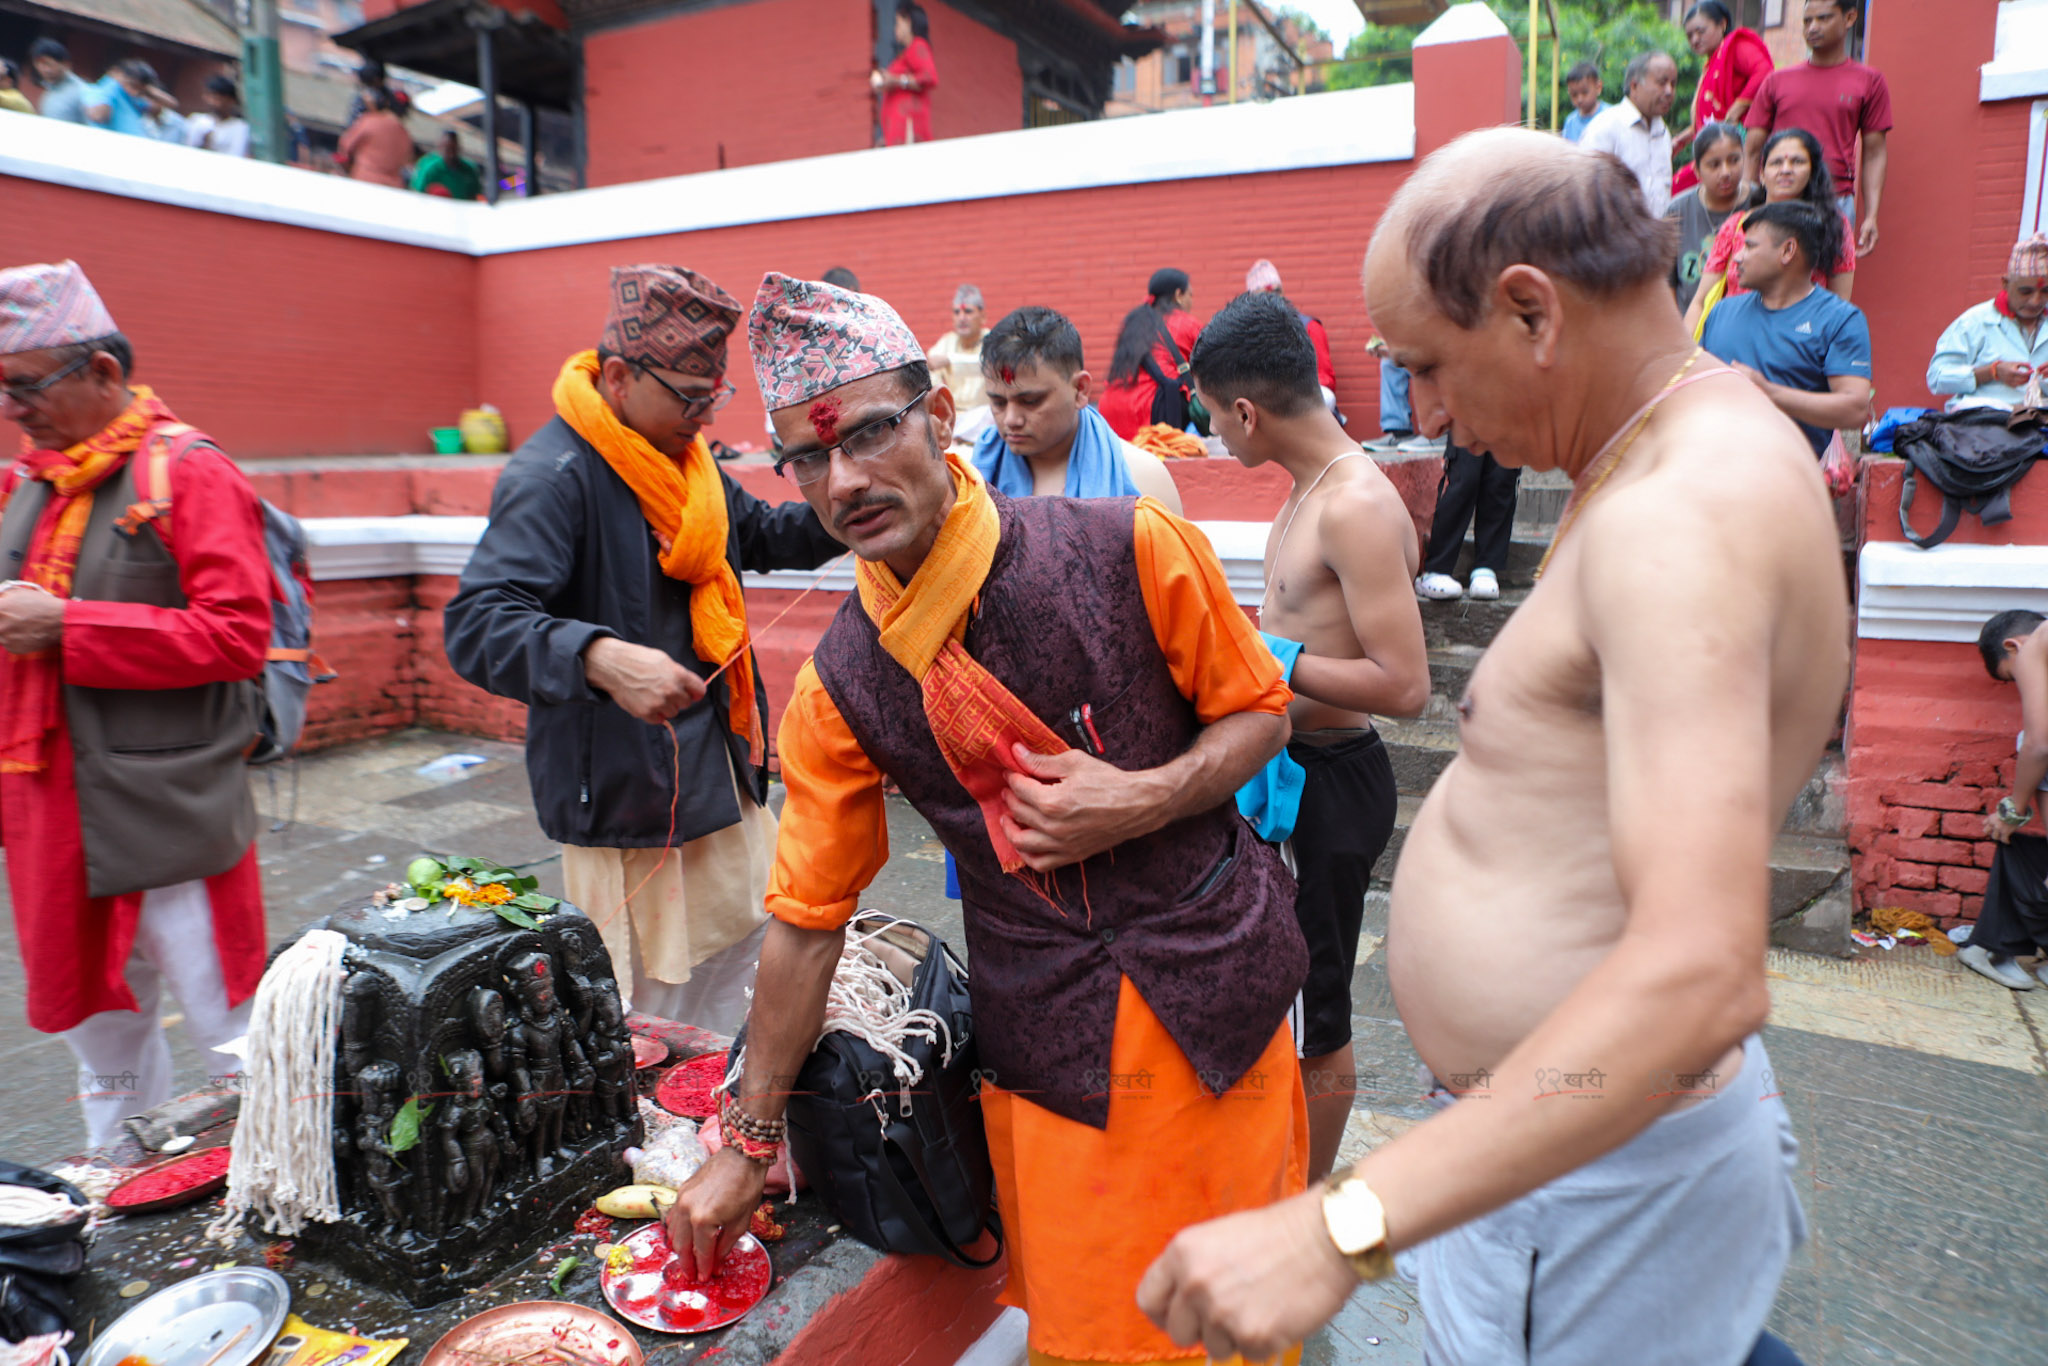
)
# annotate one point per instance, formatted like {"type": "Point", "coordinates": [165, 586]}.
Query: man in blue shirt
{"type": "Point", "coordinates": [1805, 347]}
{"type": "Point", "coordinates": [1582, 83]}
{"type": "Point", "coordinates": [121, 101]}
{"type": "Point", "coordinates": [1988, 355]}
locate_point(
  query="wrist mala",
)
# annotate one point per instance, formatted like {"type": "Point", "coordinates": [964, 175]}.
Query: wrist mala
{"type": "Point", "coordinates": [757, 1140]}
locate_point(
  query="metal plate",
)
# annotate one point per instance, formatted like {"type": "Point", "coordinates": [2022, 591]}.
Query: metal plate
{"type": "Point", "coordinates": [537, 1333]}
{"type": "Point", "coordinates": [648, 1052]}
{"type": "Point", "coordinates": [637, 1294]}
{"type": "Point", "coordinates": [185, 1324]}
{"type": "Point", "coordinates": [686, 1088]}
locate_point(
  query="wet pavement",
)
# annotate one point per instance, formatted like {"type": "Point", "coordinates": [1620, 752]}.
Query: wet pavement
{"type": "Point", "coordinates": [1918, 1091]}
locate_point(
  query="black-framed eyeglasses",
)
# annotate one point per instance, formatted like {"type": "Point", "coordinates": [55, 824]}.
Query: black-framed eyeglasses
{"type": "Point", "coordinates": [27, 394]}
{"type": "Point", "coordinates": [864, 442]}
{"type": "Point", "coordinates": [694, 405]}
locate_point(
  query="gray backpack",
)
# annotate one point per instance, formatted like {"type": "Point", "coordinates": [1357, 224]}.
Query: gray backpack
{"type": "Point", "coordinates": [292, 668]}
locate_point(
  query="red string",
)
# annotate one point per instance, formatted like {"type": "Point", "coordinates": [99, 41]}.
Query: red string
{"type": "Point", "coordinates": [676, 745]}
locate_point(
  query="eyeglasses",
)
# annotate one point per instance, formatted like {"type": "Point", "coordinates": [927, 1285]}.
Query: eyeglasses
{"type": "Point", "coordinates": [27, 394]}
{"type": "Point", "coordinates": [694, 405]}
{"type": "Point", "coordinates": [864, 442]}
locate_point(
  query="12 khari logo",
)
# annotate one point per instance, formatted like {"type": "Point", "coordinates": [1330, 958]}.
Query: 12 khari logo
{"type": "Point", "coordinates": [1696, 1085]}
{"type": "Point", "coordinates": [1551, 1081]}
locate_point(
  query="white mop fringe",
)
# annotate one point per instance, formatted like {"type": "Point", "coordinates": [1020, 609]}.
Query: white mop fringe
{"type": "Point", "coordinates": [283, 1164]}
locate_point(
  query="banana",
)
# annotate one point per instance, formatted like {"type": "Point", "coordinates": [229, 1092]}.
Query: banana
{"type": "Point", "coordinates": [636, 1202]}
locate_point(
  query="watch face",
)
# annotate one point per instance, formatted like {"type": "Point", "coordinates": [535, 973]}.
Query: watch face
{"type": "Point", "coordinates": [1357, 1223]}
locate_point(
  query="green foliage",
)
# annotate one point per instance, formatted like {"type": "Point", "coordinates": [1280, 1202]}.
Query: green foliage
{"type": "Point", "coordinates": [406, 1124]}
{"type": "Point", "coordinates": [1609, 32]}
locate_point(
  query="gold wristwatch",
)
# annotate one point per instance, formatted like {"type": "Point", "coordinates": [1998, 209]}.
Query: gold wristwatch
{"type": "Point", "coordinates": [1357, 1225]}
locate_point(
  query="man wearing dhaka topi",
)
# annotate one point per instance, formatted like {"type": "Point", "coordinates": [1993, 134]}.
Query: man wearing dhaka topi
{"type": "Point", "coordinates": [133, 632]}
{"type": "Point", "coordinates": [1608, 1175]}
{"type": "Point", "coordinates": [1120, 699]}
{"type": "Point", "coordinates": [605, 595]}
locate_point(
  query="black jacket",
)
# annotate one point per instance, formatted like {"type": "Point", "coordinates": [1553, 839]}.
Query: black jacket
{"type": "Point", "coordinates": [567, 558]}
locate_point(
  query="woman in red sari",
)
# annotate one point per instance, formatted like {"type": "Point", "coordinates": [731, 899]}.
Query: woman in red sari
{"type": "Point", "coordinates": [907, 86]}
{"type": "Point", "coordinates": [1737, 62]}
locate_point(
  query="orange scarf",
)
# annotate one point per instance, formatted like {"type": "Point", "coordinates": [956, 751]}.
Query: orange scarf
{"type": "Point", "coordinates": [693, 547]}
{"type": "Point", "coordinates": [974, 718]}
{"type": "Point", "coordinates": [31, 685]}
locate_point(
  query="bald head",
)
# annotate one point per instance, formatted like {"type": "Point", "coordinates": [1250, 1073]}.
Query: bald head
{"type": "Point", "coordinates": [1509, 196]}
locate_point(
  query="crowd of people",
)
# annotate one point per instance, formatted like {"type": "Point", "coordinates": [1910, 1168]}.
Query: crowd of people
{"type": "Point", "coordinates": [376, 146]}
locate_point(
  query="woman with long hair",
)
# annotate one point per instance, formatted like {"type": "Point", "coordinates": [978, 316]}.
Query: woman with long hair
{"type": "Point", "coordinates": [1794, 168]}
{"type": "Point", "coordinates": [1147, 382]}
{"type": "Point", "coordinates": [1737, 62]}
{"type": "Point", "coordinates": [1702, 210]}
{"type": "Point", "coordinates": [906, 88]}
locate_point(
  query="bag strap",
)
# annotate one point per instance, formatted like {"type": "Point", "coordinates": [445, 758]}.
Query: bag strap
{"type": "Point", "coordinates": [948, 1249]}
{"type": "Point", "coordinates": [1950, 514]}
{"type": "Point", "coordinates": [167, 442]}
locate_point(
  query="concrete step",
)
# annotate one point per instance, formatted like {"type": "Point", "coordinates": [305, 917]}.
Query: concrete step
{"type": "Point", "coordinates": [1819, 811]}
{"type": "Point", "coordinates": [1420, 750]}
{"type": "Point", "coordinates": [1450, 672]}
{"type": "Point", "coordinates": [1525, 552]}
{"type": "Point", "coordinates": [1463, 621]}
{"type": "Point", "coordinates": [1540, 498]}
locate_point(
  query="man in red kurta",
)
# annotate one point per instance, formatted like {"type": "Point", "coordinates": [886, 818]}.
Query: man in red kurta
{"type": "Point", "coordinates": [73, 811]}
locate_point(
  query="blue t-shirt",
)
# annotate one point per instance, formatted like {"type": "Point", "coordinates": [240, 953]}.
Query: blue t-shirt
{"type": "Point", "coordinates": [1575, 122]}
{"type": "Point", "coordinates": [1800, 346]}
{"type": "Point", "coordinates": [125, 112]}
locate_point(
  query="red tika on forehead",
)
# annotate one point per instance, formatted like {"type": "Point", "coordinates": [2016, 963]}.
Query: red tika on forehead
{"type": "Point", "coordinates": [824, 416]}
{"type": "Point", "coordinates": [1009, 375]}
{"type": "Point", "coordinates": [540, 969]}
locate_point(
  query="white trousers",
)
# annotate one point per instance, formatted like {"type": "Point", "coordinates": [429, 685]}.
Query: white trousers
{"type": "Point", "coordinates": [124, 1058]}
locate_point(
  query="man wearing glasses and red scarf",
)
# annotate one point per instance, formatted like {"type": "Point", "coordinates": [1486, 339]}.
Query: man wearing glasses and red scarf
{"type": "Point", "coordinates": [1064, 688]}
{"type": "Point", "coordinates": [604, 594]}
{"type": "Point", "coordinates": [132, 635]}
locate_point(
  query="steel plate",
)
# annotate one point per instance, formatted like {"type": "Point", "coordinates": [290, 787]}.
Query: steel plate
{"type": "Point", "coordinates": [537, 1333]}
{"type": "Point", "coordinates": [185, 1324]}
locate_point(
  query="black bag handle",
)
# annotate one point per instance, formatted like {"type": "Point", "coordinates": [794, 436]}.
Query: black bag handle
{"type": "Point", "coordinates": [1950, 514]}
{"type": "Point", "coordinates": [946, 1247]}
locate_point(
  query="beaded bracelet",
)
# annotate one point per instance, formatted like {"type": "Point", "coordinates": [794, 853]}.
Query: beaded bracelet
{"type": "Point", "coordinates": [733, 1115]}
{"type": "Point", "coordinates": [757, 1140]}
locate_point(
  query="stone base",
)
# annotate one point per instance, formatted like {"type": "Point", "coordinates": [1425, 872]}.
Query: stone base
{"type": "Point", "coordinates": [425, 1271]}
{"type": "Point", "coordinates": [1821, 926]}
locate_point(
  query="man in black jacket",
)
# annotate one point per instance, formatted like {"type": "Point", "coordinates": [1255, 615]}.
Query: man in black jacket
{"type": "Point", "coordinates": [604, 594]}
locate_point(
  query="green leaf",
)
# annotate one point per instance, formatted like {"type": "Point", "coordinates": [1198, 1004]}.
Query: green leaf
{"type": "Point", "coordinates": [517, 917]}
{"type": "Point", "coordinates": [535, 901]}
{"type": "Point", "coordinates": [446, 1070]}
{"type": "Point", "coordinates": [562, 1273]}
{"type": "Point", "coordinates": [405, 1125]}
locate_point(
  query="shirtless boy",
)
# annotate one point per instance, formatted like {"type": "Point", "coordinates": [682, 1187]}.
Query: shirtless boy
{"type": "Point", "coordinates": [1608, 1178]}
{"type": "Point", "coordinates": [1044, 436]}
{"type": "Point", "coordinates": [1339, 560]}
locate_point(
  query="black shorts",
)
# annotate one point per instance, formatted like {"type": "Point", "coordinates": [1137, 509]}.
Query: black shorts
{"type": "Point", "coordinates": [1346, 819]}
{"type": "Point", "coordinates": [2014, 919]}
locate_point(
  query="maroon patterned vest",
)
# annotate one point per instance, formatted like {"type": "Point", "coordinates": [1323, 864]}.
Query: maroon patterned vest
{"type": "Point", "coordinates": [1199, 915]}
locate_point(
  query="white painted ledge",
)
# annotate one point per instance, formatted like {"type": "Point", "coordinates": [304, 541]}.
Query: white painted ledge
{"type": "Point", "coordinates": [1946, 593]}
{"type": "Point", "coordinates": [2018, 68]}
{"type": "Point", "coordinates": [398, 547]}
{"type": "Point", "coordinates": [1340, 128]}
{"type": "Point", "coordinates": [1463, 24]}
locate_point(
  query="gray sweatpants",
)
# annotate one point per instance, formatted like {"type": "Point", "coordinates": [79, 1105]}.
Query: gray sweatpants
{"type": "Point", "coordinates": [1666, 1252]}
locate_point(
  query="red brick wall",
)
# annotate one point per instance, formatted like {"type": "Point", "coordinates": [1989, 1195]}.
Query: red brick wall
{"type": "Point", "coordinates": [278, 340]}
{"type": "Point", "coordinates": [1951, 208]}
{"type": "Point", "coordinates": [1930, 740]}
{"type": "Point", "coordinates": [796, 86]}
{"type": "Point", "coordinates": [1084, 252]}
{"type": "Point", "coordinates": [981, 87]}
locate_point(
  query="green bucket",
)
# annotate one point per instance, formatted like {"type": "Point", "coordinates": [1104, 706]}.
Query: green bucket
{"type": "Point", "coordinates": [447, 440]}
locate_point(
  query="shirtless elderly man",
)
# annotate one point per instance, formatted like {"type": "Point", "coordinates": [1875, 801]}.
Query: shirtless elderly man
{"type": "Point", "coordinates": [1608, 1177]}
{"type": "Point", "coordinates": [1340, 615]}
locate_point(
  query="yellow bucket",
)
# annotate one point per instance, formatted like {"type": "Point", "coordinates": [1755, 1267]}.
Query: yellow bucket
{"type": "Point", "coordinates": [483, 431]}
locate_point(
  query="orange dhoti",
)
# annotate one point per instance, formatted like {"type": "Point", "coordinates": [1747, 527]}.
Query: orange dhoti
{"type": "Point", "coordinates": [1086, 1211]}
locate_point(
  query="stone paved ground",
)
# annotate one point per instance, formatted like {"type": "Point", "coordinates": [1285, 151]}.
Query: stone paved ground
{"type": "Point", "coordinates": [1919, 1092]}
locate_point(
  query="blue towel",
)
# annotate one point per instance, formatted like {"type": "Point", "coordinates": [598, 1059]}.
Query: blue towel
{"type": "Point", "coordinates": [1272, 799]}
{"type": "Point", "coordinates": [1095, 466]}
{"type": "Point", "coordinates": [1894, 418]}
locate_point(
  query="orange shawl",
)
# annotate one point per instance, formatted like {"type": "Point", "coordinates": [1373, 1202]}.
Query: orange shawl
{"type": "Point", "coordinates": [974, 718]}
{"type": "Point", "coordinates": [30, 692]}
{"type": "Point", "coordinates": [692, 546]}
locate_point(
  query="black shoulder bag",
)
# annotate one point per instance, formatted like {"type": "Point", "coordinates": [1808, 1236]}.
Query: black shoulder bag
{"type": "Point", "coordinates": [905, 1170]}
{"type": "Point", "coordinates": [1972, 458]}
